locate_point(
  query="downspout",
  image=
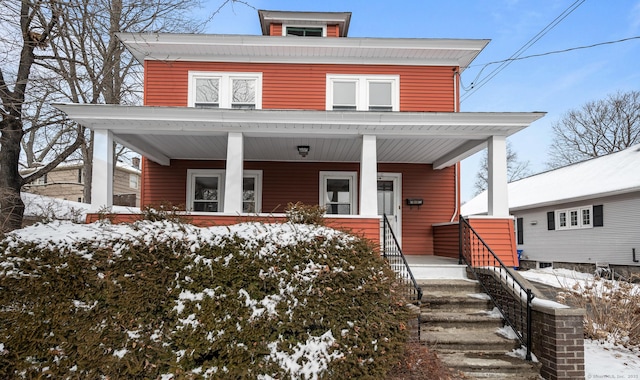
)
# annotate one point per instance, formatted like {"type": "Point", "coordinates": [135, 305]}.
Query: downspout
{"type": "Point", "coordinates": [455, 170]}
{"type": "Point", "coordinates": [455, 200]}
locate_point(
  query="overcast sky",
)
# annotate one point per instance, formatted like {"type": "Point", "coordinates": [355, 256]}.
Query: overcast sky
{"type": "Point", "coordinates": [553, 83]}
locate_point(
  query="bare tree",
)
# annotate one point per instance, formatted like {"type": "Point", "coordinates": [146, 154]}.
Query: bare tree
{"type": "Point", "coordinates": [596, 129]}
{"type": "Point", "coordinates": [67, 51]}
{"type": "Point", "coordinates": [516, 169]}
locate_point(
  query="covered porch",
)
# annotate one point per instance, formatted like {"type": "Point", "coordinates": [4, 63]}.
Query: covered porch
{"type": "Point", "coordinates": [366, 144]}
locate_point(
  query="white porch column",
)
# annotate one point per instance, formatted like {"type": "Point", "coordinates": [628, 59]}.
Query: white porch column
{"type": "Point", "coordinates": [369, 177]}
{"type": "Point", "coordinates": [102, 177]}
{"type": "Point", "coordinates": [497, 191]}
{"type": "Point", "coordinates": [233, 174]}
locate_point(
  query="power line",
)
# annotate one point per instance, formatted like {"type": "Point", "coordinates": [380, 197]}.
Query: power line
{"type": "Point", "coordinates": [477, 84]}
{"type": "Point", "coordinates": [560, 51]}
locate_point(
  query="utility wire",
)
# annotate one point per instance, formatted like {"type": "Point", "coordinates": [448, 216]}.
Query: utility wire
{"type": "Point", "coordinates": [477, 84]}
{"type": "Point", "coordinates": [559, 51]}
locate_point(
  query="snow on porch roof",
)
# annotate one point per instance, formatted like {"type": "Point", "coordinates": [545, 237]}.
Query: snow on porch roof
{"type": "Point", "coordinates": [616, 173]}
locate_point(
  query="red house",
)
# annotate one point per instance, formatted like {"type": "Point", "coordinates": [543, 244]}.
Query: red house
{"type": "Point", "coordinates": [235, 125]}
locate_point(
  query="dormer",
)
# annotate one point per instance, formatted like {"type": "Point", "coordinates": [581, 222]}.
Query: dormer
{"type": "Point", "coordinates": [304, 24]}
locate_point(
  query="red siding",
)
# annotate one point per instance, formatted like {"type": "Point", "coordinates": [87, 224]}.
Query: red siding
{"type": "Point", "coordinates": [285, 182]}
{"type": "Point", "coordinates": [302, 86]}
{"type": "Point", "coordinates": [446, 240]}
{"type": "Point", "coordinates": [275, 29]}
{"type": "Point", "coordinates": [333, 31]}
{"type": "Point", "coordinates": [499, 234]}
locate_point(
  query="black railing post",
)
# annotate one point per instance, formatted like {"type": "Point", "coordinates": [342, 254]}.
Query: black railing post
{"type": "Point", "coordinates": [460, 239]}
{"type": "Point", "coordinates": [529, 323]}
{"type": "Point", "coordinates": [384, 236]}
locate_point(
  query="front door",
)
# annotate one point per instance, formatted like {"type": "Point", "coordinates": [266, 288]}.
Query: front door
{"type": "Point", "coordinates": [389, 202]}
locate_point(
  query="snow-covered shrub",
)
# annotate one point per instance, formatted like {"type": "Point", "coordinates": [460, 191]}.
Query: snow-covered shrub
{"type": "Point", "coordinates": [613, 309]}
{"type": "Point", "coordinates": [301, 213]}
{"type": "Point", "coordinates": [169, 300]}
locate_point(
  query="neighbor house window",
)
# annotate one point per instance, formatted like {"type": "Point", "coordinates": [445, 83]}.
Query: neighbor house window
{"type": "Point", "coordinates": [205, 190]}
{"type": "Point", "coordinates": [304, 31]}
{"type": "Point", "coordinates": [225, 90]}
{"type": "Point", "coordinates": [573, 218]}
{"type": "Point", "coordinates": [363, 93]}
{"type": "Point", "coordinates": [41, 180]}
{"type": "Point", "coordinates": [338, 192]}
{"type": "Point", "coordinates": [133, 181]}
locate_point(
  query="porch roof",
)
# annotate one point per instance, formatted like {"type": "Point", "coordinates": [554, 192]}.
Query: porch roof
{"type": "Point", "coordinates": [164, 133]}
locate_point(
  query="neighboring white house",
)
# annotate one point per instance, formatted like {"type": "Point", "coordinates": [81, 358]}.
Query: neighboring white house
{"type": "Point", "coordinates": [586, 213]}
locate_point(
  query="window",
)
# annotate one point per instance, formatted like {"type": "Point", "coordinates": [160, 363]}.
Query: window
{"type": "Point", "coordinates": [80, 176]}
{"type": "Point", "coordinates": [225, 90]}
{"type": "Point", "coordinates": [363, 93]}
{"type": "Point", "coordinates": [579, 217]}
{"type": "Point", "coordinates": [41, 180]}
{"type": "Point", "coordinates": [133, 181]}
{"type": "Point", "coordinates": [520, 231]}
{"type": "Point", "coordinates": [303, 31]}
{"type": "Point", "coordinates": [205, 190]}
{"type": "Point", "coordinates": [337, 192]}
{"type": "Point", "coordinates": [252, 191]}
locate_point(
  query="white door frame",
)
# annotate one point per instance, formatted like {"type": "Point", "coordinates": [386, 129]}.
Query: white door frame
{"type": "Point", "coordinates": [397, 194]}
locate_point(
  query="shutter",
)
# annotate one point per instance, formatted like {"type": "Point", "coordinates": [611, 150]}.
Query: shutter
{"type": "Point", "coordinates": [520, 229]}
{"type": "Point", "coordinates": [551, 222]}
{"type": "Point", "coordinates": [598, 216]}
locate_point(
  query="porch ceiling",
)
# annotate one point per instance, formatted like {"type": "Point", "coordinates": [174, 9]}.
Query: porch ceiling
{"type": "Point", "coordinates": [164, 133]}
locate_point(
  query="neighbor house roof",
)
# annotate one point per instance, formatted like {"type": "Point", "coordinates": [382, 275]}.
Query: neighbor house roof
{"type": "Point", "coordinates": [616, 173]}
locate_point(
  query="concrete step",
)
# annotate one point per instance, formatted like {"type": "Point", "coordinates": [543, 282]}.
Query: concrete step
{"type": "Point", "coordinates": [462, 285]}
{"type": "Point", "coordinates": [438, 271]}
{"type": "Point", "coordinates": [466, 339]}
{"type": "Point", "coordinates": [490, 365]}
{"type": "Point", "coordinates": [457, 319]}
{"type": "Point", "coordinates": [455, 301]}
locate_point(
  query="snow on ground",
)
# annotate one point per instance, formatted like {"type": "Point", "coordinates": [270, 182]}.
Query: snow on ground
{"type": "Point", "coordinates": [603, 360]}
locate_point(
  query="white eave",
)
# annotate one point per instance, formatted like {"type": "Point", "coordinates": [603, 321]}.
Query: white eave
{"type": "Point", "coordinates": [440, 138]}
{"type": "Point", "coordinates": [278, 49]}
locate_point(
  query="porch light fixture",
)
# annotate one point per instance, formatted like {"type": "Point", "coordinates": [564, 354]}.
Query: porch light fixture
{"type": "Point", "coordinates": [303, 150]}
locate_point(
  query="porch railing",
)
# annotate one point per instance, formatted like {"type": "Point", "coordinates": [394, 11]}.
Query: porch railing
{"type": "Point", "coordinates": [393, 254]}
{"type": "Point", "coordinates": [507, 293]}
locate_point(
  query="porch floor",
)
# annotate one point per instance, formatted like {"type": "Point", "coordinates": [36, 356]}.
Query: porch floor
{"type": "Point", "coordinates": [430, 267]}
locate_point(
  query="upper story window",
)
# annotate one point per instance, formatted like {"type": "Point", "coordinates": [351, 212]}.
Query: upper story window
{"type": "Point", "coordinates": [304, 31]}
{"type": "Point", "coordinates": [363, 93]}
{"type": "Point", "coordinates": [225, 90]}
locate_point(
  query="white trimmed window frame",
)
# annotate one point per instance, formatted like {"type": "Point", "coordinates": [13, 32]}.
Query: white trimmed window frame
{"type": "Point", "coordinates": [565, 220]}
{"type": "Point", "coordinates": [352, 177]}
{"type": "Point", "coordinates": [220, 173]}
{"type": "Point", "coordinates": [362, 89]}
{"type": "Point", "coordinates": [225, 86]}
{"type": "Point", "coordinates": [134, 181]}
{"type": "Point", "coordinates": [323, 27]}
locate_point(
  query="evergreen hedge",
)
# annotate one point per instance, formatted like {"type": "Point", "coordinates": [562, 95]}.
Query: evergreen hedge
{"type": "Point", "coordinates": [166, 300]}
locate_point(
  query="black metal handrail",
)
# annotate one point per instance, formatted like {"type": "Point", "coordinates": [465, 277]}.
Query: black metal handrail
{"type": "Point", "coordinates": [508, 294]}
{"type": "Point", "coordinates": [393, 254]}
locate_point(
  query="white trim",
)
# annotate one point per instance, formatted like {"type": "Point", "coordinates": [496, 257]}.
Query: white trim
{"type": "Point", "coordinates": [580, 222]}
{"type": "Point", "coordinates": [233, 175]}
{"type": "Point", "coordinates": [362, 89]}
{"type": "Point", "coordinates": [225, 86]}
{"type": "Point", "coordinates": [353, 190]}
{"type": "Point", "coordinates": [397, 193]}
{"type": "Point", "coordinates": [497, 189]}
{"type": "Point", "coordinates": [368, 177]}
{"type": "Point", "coordinates": [250, 48]}
{"type": "Point", "coordinates": [303, 26]}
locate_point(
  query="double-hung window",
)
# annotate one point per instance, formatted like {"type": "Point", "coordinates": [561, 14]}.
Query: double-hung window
{"type": "Point", "coordinates": [205, 190]}
{"type": "Point", "coordinates": [338, 192]}
{"type": "Point", "coordinates": [225, 90]}
{"type": "Point", "coordinates": [363, 92]}
{"type": "Point", "coordinates": [304, 31]}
